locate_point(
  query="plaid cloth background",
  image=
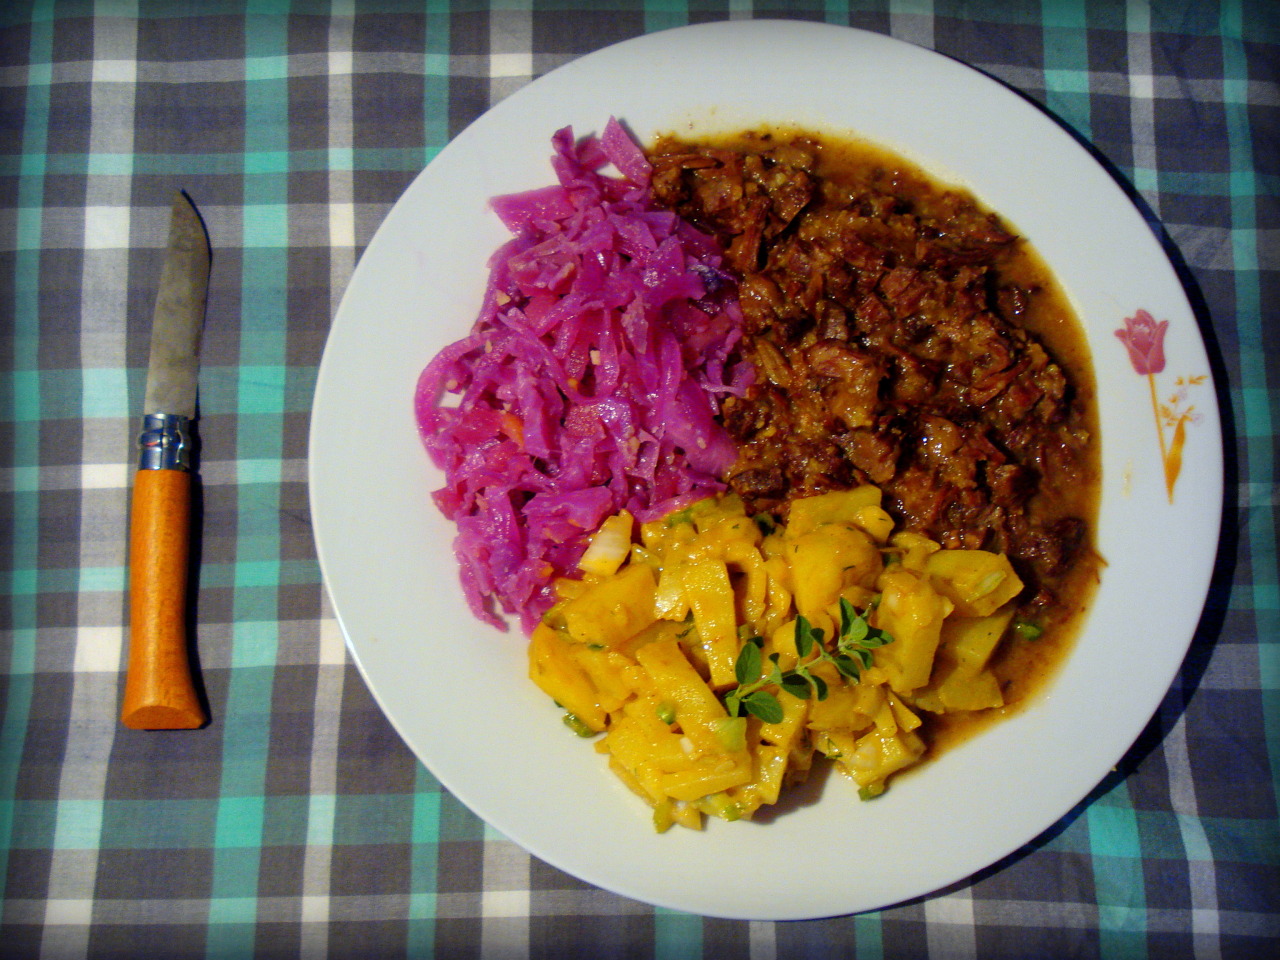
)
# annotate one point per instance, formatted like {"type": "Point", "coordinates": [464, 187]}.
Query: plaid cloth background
{"type": "Point", "coordinates": [298, 824]}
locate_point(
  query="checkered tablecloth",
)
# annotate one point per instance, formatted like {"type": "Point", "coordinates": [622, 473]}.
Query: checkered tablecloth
{"type": "Point", "coordinates": [298, 823]}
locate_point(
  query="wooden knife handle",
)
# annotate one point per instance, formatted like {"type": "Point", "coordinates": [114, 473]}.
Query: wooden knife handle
{"type": "Point", "coordinates": [159, 693]}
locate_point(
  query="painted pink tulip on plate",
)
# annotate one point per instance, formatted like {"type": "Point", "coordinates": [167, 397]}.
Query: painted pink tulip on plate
{"type": "Point", "coordinates": [1144, 336]}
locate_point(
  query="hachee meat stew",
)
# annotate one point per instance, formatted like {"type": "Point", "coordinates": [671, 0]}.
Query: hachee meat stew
{"type": "Point", "coordinates": [903, 336]}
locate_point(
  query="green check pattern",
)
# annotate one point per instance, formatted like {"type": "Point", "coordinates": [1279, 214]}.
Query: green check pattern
{"type": "Point", "coordinates": [298, 823]}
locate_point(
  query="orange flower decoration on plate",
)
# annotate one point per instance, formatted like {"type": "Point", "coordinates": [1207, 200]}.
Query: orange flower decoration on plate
{"type": "Point", "coordinates": [1143, 335]}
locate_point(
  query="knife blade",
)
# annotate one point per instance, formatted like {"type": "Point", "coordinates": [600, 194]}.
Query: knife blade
{"type": "Point", "coordinates": [160, 691]}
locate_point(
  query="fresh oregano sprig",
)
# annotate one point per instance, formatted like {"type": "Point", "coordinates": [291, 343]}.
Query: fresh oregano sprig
{"type": "Point", "coordinates": [852, 655]}
{"type": "Point", "coordinates": [748, 694]}
{"type": "Point", "coordinates": [857, 639]}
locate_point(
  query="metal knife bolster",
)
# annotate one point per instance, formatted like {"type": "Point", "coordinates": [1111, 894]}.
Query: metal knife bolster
{"type": "Point", "coordinates": [165, 442]}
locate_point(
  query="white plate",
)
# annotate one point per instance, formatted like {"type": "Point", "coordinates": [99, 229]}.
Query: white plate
{"type": "Point", "coordinates": [457, 691]}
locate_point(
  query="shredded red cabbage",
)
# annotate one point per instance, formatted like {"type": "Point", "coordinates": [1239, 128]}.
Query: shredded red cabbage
{"type": "Point", "coordinates": [590, 382]}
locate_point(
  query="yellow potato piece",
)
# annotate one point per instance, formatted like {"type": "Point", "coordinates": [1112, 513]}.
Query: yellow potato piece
{"type": "Point", "coordinates": [838, 506]}
{"type": "Point", "coordinates": [633, 743]}
{"type": "Point", "coordinates": [711, 598]}
{"type": "Point", "coordinates": [877, 755]}
{"type": "Point", "coordinates": [971, 641]}
{"type": "Point", "coordinates": [827, 560]}
{"type": "Point", "coordinates": [913, 549]}
{"type": "Point", "coordinates": [912, 612]}
{"type": "Point", "coordinates": [609, 673]}
{"type": "Point", "coordinates": [553, 668]}
{"type": "Point", "coordinates": [771, 770]}
{"type": "Point", "coordinates": [846, 707]}
{"type": "Point", "coordinates": [967, 691]}
{"type": "Point", "coordinates": [676, 681]}
{"type": "Point", "coordinates": [786, 731]}
{"type": "Point", "coordinates": [875, 521]}
{"type": "Point", "coordinates": [613, 610]}
{"type": "Point", "coordinates": [978, 582]}
{"type": "Point", "coordinates": [707, 776]}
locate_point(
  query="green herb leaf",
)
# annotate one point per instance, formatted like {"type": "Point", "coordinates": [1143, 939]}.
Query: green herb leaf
{"type": "Point", "coordinates": [852, 655]}
{"type": "Point", "coordinates": [804, 638]}
{"type": "Point", "coordinates": [847, 666]}
{"type": "Point", "coordinates": [819, 687]}
{"type": "Point", "coordinates": [764, 705]}
{"type": "Point", "coordinates": [876, 638]}
{"type": "Point", "coordinates": [854, 632]}
{"type": "Point", "coordinates": [796, 685]}
{"type": "Point", "coordinates": [848, 614]}
{"type": "Point", "coordinates": [747, 669]}
{"type": "Point", "coordinates": [857, 637]}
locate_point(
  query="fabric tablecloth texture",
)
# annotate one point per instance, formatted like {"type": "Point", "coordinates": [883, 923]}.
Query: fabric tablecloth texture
{"type": "Point", "coordinates": [298, 823]}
